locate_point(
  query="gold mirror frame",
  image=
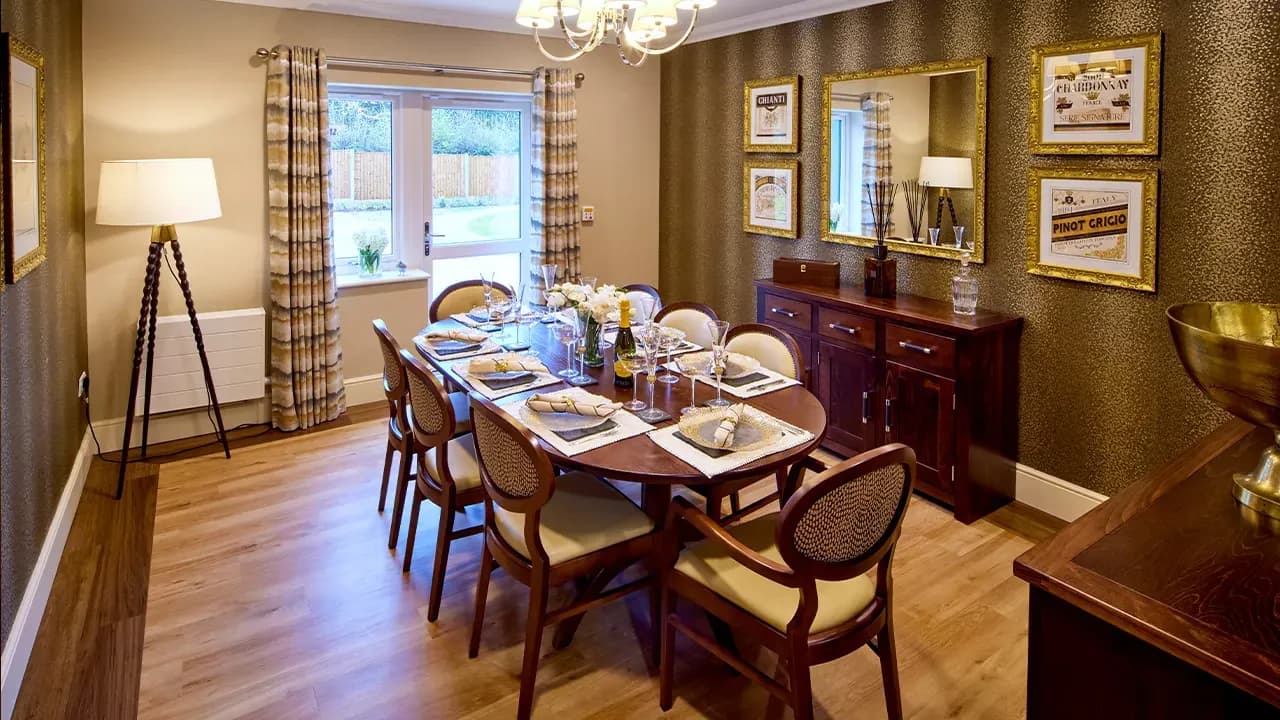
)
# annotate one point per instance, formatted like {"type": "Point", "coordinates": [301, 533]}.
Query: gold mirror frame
{"type": "Point", "coordinates": [978, 240]}
{"type": "Point", "coordinates": [18, 267]}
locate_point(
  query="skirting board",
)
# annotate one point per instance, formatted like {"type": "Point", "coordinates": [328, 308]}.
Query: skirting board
{"type": "Point", "coordinates": [1053, 495]}
{"type": "Point", "coordinates": [364, 389]}
{"type": "Point", "coordinates": [22, 636]}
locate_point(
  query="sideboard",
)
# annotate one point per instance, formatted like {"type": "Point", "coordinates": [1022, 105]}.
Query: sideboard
{"type": "Point", "coordinates": [907, 369]}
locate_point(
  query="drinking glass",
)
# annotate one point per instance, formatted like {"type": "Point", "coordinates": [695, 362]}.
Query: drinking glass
{"type": "Point", "coordinates": [567, 334]}
{"type": "Point", "coordinates": [719, 356]}
{"type": "Point", "coordinates": [634, 362]}
{"type": "Point", "coordinates": [651, 352]}
{"type": "Point", "coordinates": [526, 316]}
{"type": "Point", "coordinates": [587, 280]}
{"type": "Point", "coordinates": [580, 323]}
{"type": "Point", "coordinates": [548, 273]}
{"type": "Point", "coordinates": [671, 339]}
{"type": "Point", "coordinates": [486, 282]}
{"type": "Point", "coordinates": [691, 371]}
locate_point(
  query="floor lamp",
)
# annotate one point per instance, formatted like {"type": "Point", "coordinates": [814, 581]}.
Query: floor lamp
{"type": "Point", "coordinates": [159, 194]}
{"type": "Point", "coordinates": [947, 174]}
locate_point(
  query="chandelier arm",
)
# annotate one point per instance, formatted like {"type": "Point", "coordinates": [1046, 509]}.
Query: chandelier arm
{"type": "Point", "coordinates": [579, 52]}
{"type": "Point", "coordinates": [663, 51]}
{"type": "Point", "coordinates": [571, 36]}
{"type": "Point", "coordinates": [622, 53]}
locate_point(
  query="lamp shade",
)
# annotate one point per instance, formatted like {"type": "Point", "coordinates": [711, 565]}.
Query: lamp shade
{"type": "Point", "coordinates": [157, 192]}
{"type": "Point", "coordinates": [530, 15]}
{"type": "Point", "coordinates": [946, 172]}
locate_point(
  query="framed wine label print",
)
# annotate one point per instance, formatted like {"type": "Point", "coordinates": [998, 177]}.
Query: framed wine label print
{"type": "Point", "coordinates": [1098, 97]}
{"type": "Point", "coordinates": [769, 197]}
{"type": "Point", "coordinates": [771, 115]}
{"type": "Point", "coordinates": [1095, 226]}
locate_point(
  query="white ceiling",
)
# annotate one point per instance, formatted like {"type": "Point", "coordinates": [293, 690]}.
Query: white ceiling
{"type": "Point", "coordinates": [726, 18]}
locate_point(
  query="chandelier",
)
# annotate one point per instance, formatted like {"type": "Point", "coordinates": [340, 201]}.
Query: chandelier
{"type": "Point", "coordinates": [632, 25]}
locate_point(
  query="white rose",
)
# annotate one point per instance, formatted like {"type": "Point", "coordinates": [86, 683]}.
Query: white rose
{"type": "Point", "coordinates": [555, 299]}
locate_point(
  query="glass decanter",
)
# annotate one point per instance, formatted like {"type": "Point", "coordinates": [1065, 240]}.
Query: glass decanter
{"type": "Point", "coordinates": [964, 289]}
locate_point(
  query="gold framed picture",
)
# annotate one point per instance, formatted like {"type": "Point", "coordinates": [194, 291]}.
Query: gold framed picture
{"type": "Point", "coordinates": [23, 218]}
{"type": "Point", "coordinates": [1096, 97]}
{"type": "Point", "coordinates": [771, 115]}
{"type": "Point", "coordinates": [770, 191]}
{"type": "Point", "coordinates": [1096, 226]}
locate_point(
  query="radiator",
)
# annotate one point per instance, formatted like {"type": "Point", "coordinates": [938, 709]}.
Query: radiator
{"type": "Point", "coordinates": [235, 341]}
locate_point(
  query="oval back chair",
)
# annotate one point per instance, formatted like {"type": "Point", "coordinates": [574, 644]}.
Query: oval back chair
{"type": "Point", "coordinates": [798, 580]}
{"type": "Point", "coordinates": [690, 318]}
{"type": "Point", "coordinates": [775, 349]}
{"type": "Point", "coordinates": [642, 296]}
{"type": "Point", "coordinates": [462, 297]}
{"type": "Point", "coordinates": [395, 387]}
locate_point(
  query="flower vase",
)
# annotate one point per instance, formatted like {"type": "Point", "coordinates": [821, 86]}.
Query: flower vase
{"type": "Point", "coordinates": [593, 357]}
{"type": "Point", "coordinates": [370, 264]}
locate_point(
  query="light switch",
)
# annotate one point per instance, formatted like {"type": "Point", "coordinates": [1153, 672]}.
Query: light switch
{"type": "Point", "coordinates": [588, 213]}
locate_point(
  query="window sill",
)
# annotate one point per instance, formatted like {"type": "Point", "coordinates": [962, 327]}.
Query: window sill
{"type": "Point", "coordinates": [391, 278]}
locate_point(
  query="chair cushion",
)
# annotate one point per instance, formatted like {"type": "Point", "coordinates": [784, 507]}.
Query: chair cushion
{"type": "Point", "coordinates": [693, 323]}
{"type": "Point", "coordinates": [585, 514]}
{"type": "Point", "coordinates": [461, 412]}
{"type": "Point", "coordinates": [769, 350]}
{"type": "Point", "coordinates": [464, 468]}
{"type": "Point", "coordinates": [707, 563]}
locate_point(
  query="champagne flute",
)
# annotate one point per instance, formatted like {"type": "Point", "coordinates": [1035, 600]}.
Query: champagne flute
{"type": "Point", "coordinates": [580, 336]}
{"type": "Point", "coordinates": [651, 342]}
{"type": "Point", "coordinates": [672, 338]}
{"type": "Point", "coordinates": [524, 316]}
{"type": "Point", "coordinates": [548, 273]}
{"type": "Point", "coordinates": [567, 334]}
{"type": "Point", "coordinates": [691, 370]}
{"type": "Point", "coordinates": [719, 356]}
{"type": "Point", "coordinates": [486, 282]}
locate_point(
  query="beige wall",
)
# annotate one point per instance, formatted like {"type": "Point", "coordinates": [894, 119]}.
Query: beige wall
{"type": "Point", "coordinates": [166, 78]}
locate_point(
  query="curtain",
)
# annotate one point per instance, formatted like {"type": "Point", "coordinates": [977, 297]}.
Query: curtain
{"type": "Point", "coordinates": [306, 355]}
{"type": "Point", "coordinates": [556, 223]}
{"type": "Point", "coordinates": [877, 162]}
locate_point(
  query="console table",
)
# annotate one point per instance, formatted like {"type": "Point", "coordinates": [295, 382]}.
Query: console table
{"type": "Point", "coordinates": [1163, 602]}
{"type": "Point", "coordinates": [907, 369]}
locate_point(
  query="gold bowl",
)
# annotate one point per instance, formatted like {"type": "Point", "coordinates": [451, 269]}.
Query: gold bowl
{"type": "Point", "coordinates": [1231, 350]}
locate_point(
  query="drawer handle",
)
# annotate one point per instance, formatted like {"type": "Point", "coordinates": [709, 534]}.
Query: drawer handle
{"type": "Point", "coordinates": [780, 311]}
{"type": "Point", "coordinates": [912, 346]}
{"type": "Point", "coordinates": [844, 328]}
{"type": "Point", "coordinates": [866, 407]}
{"type": "Point", "coordinates": [888, 417]}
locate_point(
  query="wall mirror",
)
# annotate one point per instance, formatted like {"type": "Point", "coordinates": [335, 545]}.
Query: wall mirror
{"type": "Point", "coordinates": [925, 125]}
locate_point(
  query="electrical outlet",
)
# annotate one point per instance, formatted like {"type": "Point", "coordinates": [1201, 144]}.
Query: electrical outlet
{"type": "Point", "coordinates": [82, 387]}
{"type": "Point", "coordinates": [588, 213]}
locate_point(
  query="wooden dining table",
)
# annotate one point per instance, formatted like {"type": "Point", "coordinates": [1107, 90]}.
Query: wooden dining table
{"type": "Point", "coordinates": [638, 459]}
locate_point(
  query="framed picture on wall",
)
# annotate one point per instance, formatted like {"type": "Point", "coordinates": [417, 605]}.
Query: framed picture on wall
{"type": "Point", "coordinates": [1096, 226]}
{"type": "Point", "coordinates": [771, 115]}
{"type": "Point", "coordinates": [770, 197]}
{"type": "Point", "coordinates": [23, 113]}
{"type": "Point", "coordinates": [1096, 97]}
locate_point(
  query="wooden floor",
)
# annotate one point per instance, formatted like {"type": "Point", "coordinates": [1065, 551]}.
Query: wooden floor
{"type": "Point", "coordinates": [269, 592]}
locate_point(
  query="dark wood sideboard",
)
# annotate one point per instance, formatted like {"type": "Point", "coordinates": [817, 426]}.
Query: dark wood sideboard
{"type": "Point", "coordinates": [1163, 602]}
{"type": "Point", "coordinates": [907, 369]}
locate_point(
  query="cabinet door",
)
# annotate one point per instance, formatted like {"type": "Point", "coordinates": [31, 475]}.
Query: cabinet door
{"type": "Point", "coordinates": [846, 386]}
{"type": "Point", "coordinates": [919, 412]}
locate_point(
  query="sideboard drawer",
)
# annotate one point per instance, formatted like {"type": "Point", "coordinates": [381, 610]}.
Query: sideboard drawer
{"type": "Point", "coordinates": [793, 313]}
{"type": "Point", "coordinates": [846, 327]}
{"type": "Point", "coordinates": [920, 349]}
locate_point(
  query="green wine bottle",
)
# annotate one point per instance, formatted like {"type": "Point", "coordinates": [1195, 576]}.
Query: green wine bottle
{"type": "Point", "coordinates": [624, 347]}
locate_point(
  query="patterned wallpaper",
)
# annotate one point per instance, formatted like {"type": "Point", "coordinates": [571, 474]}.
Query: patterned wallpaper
{"type": "Point", "coordinates": [1103, 397]}
{"type": "Point", "coordinates": [42, 325]}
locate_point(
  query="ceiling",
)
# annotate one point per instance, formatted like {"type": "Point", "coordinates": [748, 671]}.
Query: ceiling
{"type": "Point", "coordinates": [726, 18]}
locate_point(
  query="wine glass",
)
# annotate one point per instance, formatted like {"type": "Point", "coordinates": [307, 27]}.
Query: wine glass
{"type": "Point", "coordinates": [567, 334]}
{"type": "Point", "coordinates": [501, 306]}
{"type": "Point", "coordinates": [587, 281]}
{"type": "Point", "coordinates": [634, 362]}
{"type": "Point", "coordinates": [719, 357]}
{"type": "Point", "coordinates": [581, 377]}
{"type": "Point", "coordinates": [548, 273]}
{"type": "Point", "coordinates": [526, 316]}
{"type": "Point", "coordinates": [691, 370]}
{"type": "Point", "coordinates": [651, 351]}
{"type": "Point", "coordinates": [486, 283]}
{"type": "Point", "coordinates": [671, 338]}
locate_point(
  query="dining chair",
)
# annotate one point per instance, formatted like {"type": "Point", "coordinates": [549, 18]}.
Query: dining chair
{"type": "Point", "coordinates": [400, 439]}
{"type": "Point", "coordinates": [690, 318]}
{"type": "Point", "coordinates": [640, 295]}
{"type": "Point", "coordinates": [797, 581]}
{"type": "Point", "coordinates": [448, 471]}
{"type": "Point", "coordinates": [545, 530]}
{"type": "Point", "coordinates": [776, 350]}
{"type": "Point", "coordinates": [462, 297]}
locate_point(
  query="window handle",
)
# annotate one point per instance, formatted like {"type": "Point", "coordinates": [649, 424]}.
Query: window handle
{"type": "Point", "coordinates": [426, 238]}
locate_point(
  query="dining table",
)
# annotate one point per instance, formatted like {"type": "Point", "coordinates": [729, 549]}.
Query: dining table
{"type": "Point", "coordinates": [639, 459]}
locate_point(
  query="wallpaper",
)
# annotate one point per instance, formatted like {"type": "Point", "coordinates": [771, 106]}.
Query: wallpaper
{"type": "Point", "coordinates": [42, 326]}
{"type": "Point", "coordinates": [1103, 397]}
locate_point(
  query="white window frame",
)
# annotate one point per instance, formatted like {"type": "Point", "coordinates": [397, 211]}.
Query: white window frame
{"type": "Point", "coordinates": [411, 179]}
{"type": "Point", "coordinates": [850, 197]}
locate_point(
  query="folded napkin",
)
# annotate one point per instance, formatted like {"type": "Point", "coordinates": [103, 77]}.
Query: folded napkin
{"type": "Point", "coordinates": [459, 334]}
{"type": "Point", "coordinates": [728, 426]}
{"type": "Point", "coordinates": [505, 363]}
{"type": "Point", "coordinates": [577, 406]}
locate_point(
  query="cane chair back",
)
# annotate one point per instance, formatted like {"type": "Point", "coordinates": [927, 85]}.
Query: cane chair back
{"type": "Point", "coordinates": [515, 471]}
{"type": "Point", "coordinates": [394, 383]}
{"type": "Point", "coordinates": [462, 297]}
{"type": "Point", "coordinates": [431, 416]}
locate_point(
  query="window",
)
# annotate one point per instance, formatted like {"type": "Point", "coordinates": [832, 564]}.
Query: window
{"type": "Point", "coordinates": [445, 176]}
{"type": "Point", "coordinates": [846, 169]}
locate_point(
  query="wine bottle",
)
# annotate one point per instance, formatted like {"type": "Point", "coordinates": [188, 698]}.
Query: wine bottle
{"type": "Point", "coordinates": [623, 347]}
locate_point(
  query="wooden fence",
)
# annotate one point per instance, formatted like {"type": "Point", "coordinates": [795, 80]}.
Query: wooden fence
{"type": "Point", "coordinates": [367, 176]}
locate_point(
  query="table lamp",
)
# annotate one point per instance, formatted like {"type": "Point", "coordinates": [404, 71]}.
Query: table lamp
{"type": "Point", "coordinates": [947, 174]}
{"type": "Point", "coordinates": [159, 194]}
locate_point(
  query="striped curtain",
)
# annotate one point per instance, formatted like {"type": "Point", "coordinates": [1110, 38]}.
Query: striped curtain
{"type": "Point", "coordinates": [556, 223]}
{"type": "Point", "coordinates": [306, 356]}
{"type": "Point", "coordinates": [877, 160]}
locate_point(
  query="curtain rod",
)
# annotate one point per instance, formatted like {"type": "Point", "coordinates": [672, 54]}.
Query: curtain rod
{"type": "Point", "coordinates": [368, 64]}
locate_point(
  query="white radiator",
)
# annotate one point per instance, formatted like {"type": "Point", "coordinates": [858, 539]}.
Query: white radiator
{"type": "Point", "coordinates": [235, 341]}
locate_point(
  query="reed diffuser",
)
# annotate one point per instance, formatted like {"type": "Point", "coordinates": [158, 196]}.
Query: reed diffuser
{"type": "Point", "coordinates": [917, 196]}
{"type": "Point", "coordinates": [880, 272]}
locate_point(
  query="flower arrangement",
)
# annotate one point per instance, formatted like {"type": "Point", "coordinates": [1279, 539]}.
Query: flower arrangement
{"type": "Point", "coordinates": [603, 303]}
{"type": "Point", "coordinates": [370, 244]}
{"type": "Point", "coordinates": [836, 213]}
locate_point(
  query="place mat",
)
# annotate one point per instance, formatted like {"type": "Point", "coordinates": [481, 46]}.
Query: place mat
{"type": "Point", "coordinates": [770, 382]}
{"type": "Point", "coordinates": [684, 347]}
{"type": "Point", "coordinates": [504, 389]}
{"type": "Point", "coordinates": [704, 461]}
{"type": "Point", "coordinates": [485, 348]}
{"type": "Point", "coordinates": [485, 325]}
{"type": "Point", "coordinates": [626, 426]}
